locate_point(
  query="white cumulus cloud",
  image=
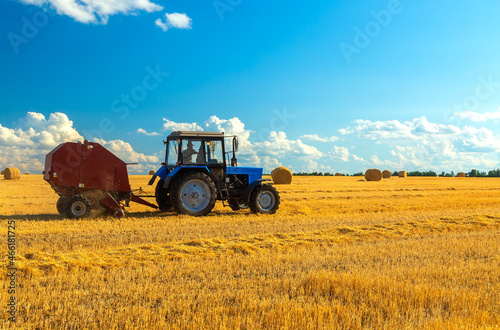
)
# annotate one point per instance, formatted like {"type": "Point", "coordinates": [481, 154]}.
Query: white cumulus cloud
{"type": "Point", "coordinates": [172, 126]}
{"type": "Point", "coordinates": [394, 129]}
{"type": "Point", "coordinates": [316, 137]}
{"type": "Point", "coordinates": [375, 160]}
{"type": "Point", "coordinates": [233, 126]}
{"type": "Point", "coordinates": [423, 145]}
{"type": "Point", "coordinates": [174, 20]}
{"type": "Point", "coordinates": [144, 132]}
{"type": "Point", "coordinates": [125, 152]}
{"type": "Point", "coordinates": [96, 11]}
{"type": "Point", "coordinates": [476, 116]}
{"type": "Point", "coordinates": [473, 139]}
{"type": "Point", "coordinates": [423, 132]}
{"type": "Point", "coordinates": [279, 145]}
{"type": "Point", "coordinates": [339, 153]}
{"type": "Point", "coordinates": [357, 158]}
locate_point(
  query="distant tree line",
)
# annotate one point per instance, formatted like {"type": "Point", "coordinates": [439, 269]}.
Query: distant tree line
{"type": "Point", "coordinates": [448, 175]}
{"type": "Point", "coordinates": [417, 173]}
{"type": "Point", "coordinates": [318, 174]}
{"type": "Point", "coordinates": [491, 173]}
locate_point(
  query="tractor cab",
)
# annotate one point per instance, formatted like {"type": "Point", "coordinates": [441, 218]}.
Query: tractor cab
{"type": "Point", "coordinates": [196, 149]}
{"type": "Point", "coordinates": [197, 172]}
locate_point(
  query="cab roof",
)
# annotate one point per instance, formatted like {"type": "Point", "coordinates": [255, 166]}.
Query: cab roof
{"type": "Point", "coordinates": [195, 134]}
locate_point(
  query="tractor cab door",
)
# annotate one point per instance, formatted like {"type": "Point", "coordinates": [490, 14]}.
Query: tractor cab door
{"type": "Point", "coordinates": [214, 158]}
{"type": "Point", "coordinates": [172, 155]}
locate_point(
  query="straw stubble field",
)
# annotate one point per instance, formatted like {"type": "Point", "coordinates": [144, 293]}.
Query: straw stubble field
{"type": "Point", "coordinates": [340, 253]}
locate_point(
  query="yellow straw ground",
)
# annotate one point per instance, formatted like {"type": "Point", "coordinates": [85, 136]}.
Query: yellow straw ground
{"type": "Point", "coordinates": [340, 253]}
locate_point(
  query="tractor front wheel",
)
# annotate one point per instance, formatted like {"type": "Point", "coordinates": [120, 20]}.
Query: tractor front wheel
{"type": "Point", "coordinates": [264, 199]}
{"type": "Point", "coordinates": [193, 194]}
{"type": "Point", "coordinates": [77, 207]}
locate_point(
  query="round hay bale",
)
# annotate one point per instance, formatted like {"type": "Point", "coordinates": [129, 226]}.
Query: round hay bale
{"type": "Point", "coordinates": [281, 175]}
{"type": "Point", "coordinates": [27, 173]}
{"type": "Point", "coordinates": [373, 175]}
{"type": "Point", "coordinates": [402, 174]}
{"type": "Point", "coordinates": [12, 173]}
{"type": "Point", "coordinates": [460, 175]}
{"type": "Point", "coordinates": [338, 174]}
{"type": "Point", "coordinates": [3, 171]}
{"type": "Point", "coordinates": [386, 174]}
{"type": "Point", "coordinates": [151, 172]}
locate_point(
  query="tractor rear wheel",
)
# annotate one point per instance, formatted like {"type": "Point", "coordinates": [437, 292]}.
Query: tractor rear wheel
{"type": "Point", "coordinates": [193, 194]}
{"type": "Point", "coordinates": [264, 199]}
{"type": "Point", "coordinates": [162, 198]}
{"type": "Point", "coordinates": [61, 204]}
{"type": "Point", "coordinates": [77, 207]}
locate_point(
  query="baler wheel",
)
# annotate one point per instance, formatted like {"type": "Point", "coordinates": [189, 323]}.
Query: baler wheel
{"type": "Point", "coordinates": [264, 199]}
{"type": "Point", "coordinates": [77, 207]}
{"type": "Point", "coordinates": [61, 204]}
{"type": "Point", "coordinates": [193, 194]}
{"type": "Point", "coordinates": [162, 198]}
{"type": "Point", "coordinates": [119, 213]}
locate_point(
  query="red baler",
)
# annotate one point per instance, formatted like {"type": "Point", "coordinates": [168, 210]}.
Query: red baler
{"type": "Point", "coordinates": [85, 176]}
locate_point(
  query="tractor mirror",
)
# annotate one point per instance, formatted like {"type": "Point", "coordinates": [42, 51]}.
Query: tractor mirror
{"type": "Point", "coordinates": [235, 143]}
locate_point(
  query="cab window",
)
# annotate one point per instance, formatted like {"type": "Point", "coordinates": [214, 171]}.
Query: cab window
{"type": "Point", "coordinates": [213, 152]}
{"type": "Point", "coordinates": [192, 152]}
{"type": "Point", "coordinates": [172, 152]}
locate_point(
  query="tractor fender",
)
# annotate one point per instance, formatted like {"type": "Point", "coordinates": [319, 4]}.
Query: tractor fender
{"type": "Point", "coordinates": [162, 172]}
{"type": "Point", "coordinates": [250, 188]}
{"type": "Point", "coordinates": [178, 171]}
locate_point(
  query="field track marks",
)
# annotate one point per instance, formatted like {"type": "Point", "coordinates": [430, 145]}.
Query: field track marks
{"type": "Point", "coordinates": [39, 263]}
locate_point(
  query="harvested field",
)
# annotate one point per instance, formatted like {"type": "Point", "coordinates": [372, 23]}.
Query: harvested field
{"type": "Point", "coordinates": [339, 253]}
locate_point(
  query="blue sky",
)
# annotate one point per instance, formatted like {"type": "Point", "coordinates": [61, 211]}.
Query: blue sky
{"type": "Point", "coordinates": [338, 86]}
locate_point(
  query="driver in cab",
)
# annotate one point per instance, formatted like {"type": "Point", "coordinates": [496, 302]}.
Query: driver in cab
{"type": "Point", "coordinates": [187, 154]}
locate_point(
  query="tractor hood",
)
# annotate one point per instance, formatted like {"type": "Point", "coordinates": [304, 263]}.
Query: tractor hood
{"type": "Point", "coordinates": [254, 173]}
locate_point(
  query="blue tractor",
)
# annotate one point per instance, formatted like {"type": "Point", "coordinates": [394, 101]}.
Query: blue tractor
{"type": "Point", "coordinates": [196, 174]}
